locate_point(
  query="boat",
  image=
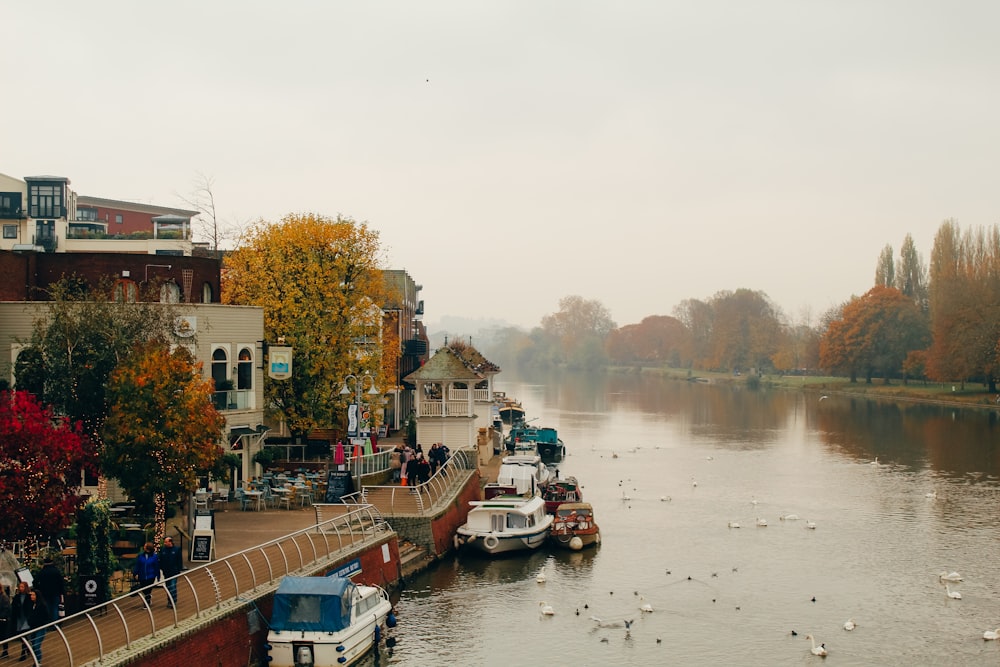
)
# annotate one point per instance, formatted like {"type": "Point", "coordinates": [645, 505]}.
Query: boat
{"type": "Point", "coordinates": [561, 490]}
{"type": "Point", "coordinates": [521, 474]}
{"type": "Point", "coordinates": [505, 523]}
{"type": "Point", "coordinates": [509, 409]}
{"type": "Point", "coordinates": [325, 621]}
{"type": "Point", "coordinates": [545, 440]}
{"type": "Point", "coordinates": [573, 526]}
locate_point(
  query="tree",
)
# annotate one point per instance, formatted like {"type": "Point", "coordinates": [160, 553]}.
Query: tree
{"type": "Point", "coordinates": [319, 283]}
{"type": "Point", "coordinates": [911, 278]}
{"type": "Point", "coordinates": [657, 339]}
{"type": "Point", "coordinates": [202, 199]}
{"type": "Point", "coordinates": [579, 329]}
{"type": "Point", "coordinates": [874, 335]}
{"type": "Point", "coordinates": [697, 317]}
{"type": "Point", "coordinates": [162, 429]}
{"type": "Point", "coordinates": [885, 270]}
{"type": "Point", "coordinates": [746, 329]}
{"type": "Point", "coordinates": [76, 344]}
{"type": "Point", "coordinates": [42, 461]}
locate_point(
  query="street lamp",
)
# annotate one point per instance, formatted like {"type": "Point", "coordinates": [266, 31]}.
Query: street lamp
{"type": "Point", "coordinates": [353, 422]}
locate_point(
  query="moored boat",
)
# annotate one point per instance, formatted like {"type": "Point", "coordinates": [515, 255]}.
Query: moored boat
{"type": "Point", "coordinates": [505, 523]}
{"type": "Point", "coordinates": [522, 474]}
{"type": "Point", "coordinates": [574, 527]}
{"type": "Point", "coordinates": [559, 491]}
{"type": "Point", "coordinates": [325, 621]}
{"type": "Point", "coordinates": [545, 440]}
{"type": "Point", "coordinates": [509, 409]}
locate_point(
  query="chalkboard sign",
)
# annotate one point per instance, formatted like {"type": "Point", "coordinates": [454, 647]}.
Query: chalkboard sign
{"type": "Point", "coordinates": [91, 592]}
{"type": "Point", "coordinates": [201, 546]}
{"type": "Point", "coordinates": [339, 483]}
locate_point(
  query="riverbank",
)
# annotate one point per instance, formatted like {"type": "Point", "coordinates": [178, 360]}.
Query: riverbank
{"type": "Point", "coordinates": [972, 395]}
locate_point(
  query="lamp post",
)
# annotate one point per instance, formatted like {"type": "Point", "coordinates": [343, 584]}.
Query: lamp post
{"type": "Point", "coordinates": [353, 418]}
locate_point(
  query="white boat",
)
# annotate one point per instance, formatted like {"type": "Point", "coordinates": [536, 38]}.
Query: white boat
{"type": "Point", "coordinates": [523, 474]}
{"type": "Point", "coordinates": [505, 523]}
{"type": "Point", "coordinates": [325, 621]}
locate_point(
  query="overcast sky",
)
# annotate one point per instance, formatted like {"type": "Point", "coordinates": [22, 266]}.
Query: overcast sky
{"type": "Point", "coordinates": [513, 153]}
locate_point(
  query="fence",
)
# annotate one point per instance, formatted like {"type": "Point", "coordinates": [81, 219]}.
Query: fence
{"type": "Point", "coordinates": [422, 499]}
{"type": "Point", "coordinates": [130, 622]}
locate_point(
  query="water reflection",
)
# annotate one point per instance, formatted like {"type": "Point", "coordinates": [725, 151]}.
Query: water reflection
{"type": "Point", "coordinates": [874, 555]}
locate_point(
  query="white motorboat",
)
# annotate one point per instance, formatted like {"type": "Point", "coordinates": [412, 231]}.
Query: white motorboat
{"type": "Point", "coordinates": [505, 523]}
{"type": "Point", "coordinates": [521, 474]}
{"type": "Point", "coordinates": [325, 621]}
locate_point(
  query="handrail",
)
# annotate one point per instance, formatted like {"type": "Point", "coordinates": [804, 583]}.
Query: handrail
{"type": "Point", "coordinates": [426, 498]}
{"type": "Point", "coordinates": [97, 636]}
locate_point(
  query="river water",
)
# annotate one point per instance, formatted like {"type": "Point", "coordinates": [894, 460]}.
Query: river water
{"type": "Point", "coordinates": [690, 458]}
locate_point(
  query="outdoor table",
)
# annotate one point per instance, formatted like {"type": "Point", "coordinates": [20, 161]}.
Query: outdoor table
{"type": "Point", "coordinates": [256, 497]}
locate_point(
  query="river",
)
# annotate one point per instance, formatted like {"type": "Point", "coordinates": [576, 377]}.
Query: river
{"type": "Point", "coordinates": [668, 465]}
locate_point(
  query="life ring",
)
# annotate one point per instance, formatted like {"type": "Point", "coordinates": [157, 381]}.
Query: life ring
{"type": "Point", "coordinates": [491, 542]}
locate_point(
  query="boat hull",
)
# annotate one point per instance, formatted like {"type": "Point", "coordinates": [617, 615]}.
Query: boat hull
{"type": "Point", "coordinates": [498, 543]}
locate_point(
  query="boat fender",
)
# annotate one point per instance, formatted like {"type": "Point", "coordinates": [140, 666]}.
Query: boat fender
{"type": "Point", "coordinates": [491, 541]}
{"type": "Point", "coordinates": [378, 634]}
{"type": "Point", "coordinates": [457, 541]}
{"type": "Point", "coordinates": [390, 642]}
{"type": "Point", "coordinates": [390, 620]}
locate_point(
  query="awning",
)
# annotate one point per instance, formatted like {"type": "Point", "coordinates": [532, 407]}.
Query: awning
{"type": "Point", "coordinates": [237, 434]}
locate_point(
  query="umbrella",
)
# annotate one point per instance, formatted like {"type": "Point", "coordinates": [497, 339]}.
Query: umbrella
{"type": "Point", "coordinates": [368, 447]}
{"type": "Point", "coordinates": [338, 454]}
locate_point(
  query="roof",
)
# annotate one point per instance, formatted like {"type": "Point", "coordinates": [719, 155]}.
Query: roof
{"type": "Point", "coordinates": [83, 200]}
{"type": "Point", "coordinates": [312, 603]}
{"type": "Point", "coordinates": [444, 365]}
{"type": "Point", "coordinates": [475, 360]}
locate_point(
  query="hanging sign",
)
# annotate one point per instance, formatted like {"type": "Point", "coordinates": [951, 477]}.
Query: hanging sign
{"type": "Point", "coordinates": [352, 420]}
{"type": "Point", "coordinates": [279, 366]}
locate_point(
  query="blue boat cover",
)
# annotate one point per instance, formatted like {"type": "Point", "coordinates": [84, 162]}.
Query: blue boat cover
{"type": "Point", "coordinates": [313, 604]}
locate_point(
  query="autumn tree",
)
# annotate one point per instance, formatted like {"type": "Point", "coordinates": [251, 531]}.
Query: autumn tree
{"type": "Point", "coordinates": [42, 461]}
{"type": "Point", "coordinates": [911, 276]}
{"type": "Point", "coordinates": [577, 330]}
{"type": "Point", "coordinates": [874, 335]}
{"type": "Point", "coordinates": [82, 335]}
{"type": "Point", "coordinates": [659, 339]}
{"type": "Point", "coordinates": [698, 318]}
{"type": "Point", "coordinates": [746, 328]}
{"type": "Point", "coordinates": [965, 304]}
{"type": "Point", "coordinates": [319, 283]}
{"type": "Point", "coordinates": [162, 429]}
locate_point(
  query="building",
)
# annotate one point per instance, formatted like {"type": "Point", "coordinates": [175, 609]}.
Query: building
{"type": "Point", "coordinates": [403, 328]}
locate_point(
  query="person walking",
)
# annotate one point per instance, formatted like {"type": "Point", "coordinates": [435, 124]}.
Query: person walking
{"type": "Point", "coordinates": [20, 614]}
{"type": "Point", "coordinates": [37, 619]}
{"type": "Point", "coordinates": [51, 586]}
{"type": "Point", "coordinates": [146, 570]}
{"type": "Point", "coordinates": [171, 564]}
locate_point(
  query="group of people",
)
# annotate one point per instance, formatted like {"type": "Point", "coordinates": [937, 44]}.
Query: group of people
{"type": "Point", "coordinates": [149, 565]}
{"type": "Point", "coordinates": [416, 468]}
{"type": "Point", "coordinates": [31, 608]}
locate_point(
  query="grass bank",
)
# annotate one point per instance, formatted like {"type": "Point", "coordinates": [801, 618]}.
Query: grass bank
{"type": "Point", "coordinates": [969, 396]}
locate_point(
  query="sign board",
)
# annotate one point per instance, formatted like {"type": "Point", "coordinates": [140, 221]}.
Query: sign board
{"type": "Point", "coordinates": [347, 569]}
{"type": "Point", "coordinates": [202, 546]}
{"type": "Point", "coordinates": [91, 592]}
{"type": "Point", "coordinates": [24, 574]}
{"type": "Point", "coordinates": [338, 483]}
{"type": "Point", "coordinates": [352, 420]}
{"type": "Point", "coordinates": [204, 519]}
{"type": "Point", "coordinates": [279, 362]}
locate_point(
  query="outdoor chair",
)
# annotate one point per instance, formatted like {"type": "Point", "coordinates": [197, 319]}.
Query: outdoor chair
{"type": "Point", "coordinates": [285, 500]}
{"type": "Point", "coordinates": [243, 499]}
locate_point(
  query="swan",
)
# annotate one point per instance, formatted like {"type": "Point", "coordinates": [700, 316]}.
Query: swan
{"type": "Point", "coordinates": [789, 517]}
{"type": "Point", "coordinates": [540, 578]}
{"type": "Point", "coordinates": [850, 624]}
{"type": "Point", "coordinates": [664, 499]}
{"type": "Point", "coordinates": [646, 607]}
{"type": "Point", "coordinates": [734, 524]}
{"type": "Point", "coordinates": [626, 497]}
{"type": "Point", "coordinates": [811, 524]}
{"type": "Point", "coordinates": [991, 634]}
{"type": "Point", "coordinates": [954, 595]}
{"type": "Point", "coordinates": [950, 576]}
{"type": "Point", "coordinates": [817, 650]}
{"type": "Point", "coordinates": [762, 522]}
{"type": "Point", "coordinates": [875, 462]}
{"type": "Point", "coordinates": [930, 494]}
{"type": "Point", "coordinates": [546, 609]}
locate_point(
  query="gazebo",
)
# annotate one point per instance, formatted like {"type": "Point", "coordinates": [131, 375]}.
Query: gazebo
{"type": "Point", "coordinates": [445, 401]}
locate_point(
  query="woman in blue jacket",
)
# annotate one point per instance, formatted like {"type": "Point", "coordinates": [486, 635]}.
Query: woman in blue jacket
{"type": "Point", "coordinates": [147, 569]}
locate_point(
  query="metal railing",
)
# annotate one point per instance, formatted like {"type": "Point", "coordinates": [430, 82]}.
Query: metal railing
{"type": "Point", "coordinates": [426, 498]}
{"type": "Point", "coordinates": [113, 631]}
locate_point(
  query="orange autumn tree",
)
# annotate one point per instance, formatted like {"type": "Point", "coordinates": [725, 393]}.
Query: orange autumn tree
{"type": "Point", "coordinates": [162, 429]}
{"type": "Point", "coordinates": [319, 282]}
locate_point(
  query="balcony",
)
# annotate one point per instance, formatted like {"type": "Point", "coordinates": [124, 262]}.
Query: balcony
{"type": "Point", "coordinates": [444, 409]}
{"type": "Point", "coordinates": [233, 399]}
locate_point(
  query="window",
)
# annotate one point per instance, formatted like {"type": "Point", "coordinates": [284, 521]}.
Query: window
{"type": "Point", "coordinates": [220, 366]}
{"type": "Point", "coordinates": [10, 231]}
{"type": "Point", "coordinates": [86, 214]}
{"type": "Point", "coordinates": [46, 200]}
{"type": "Point", "coordinates": [118, 218]}
{"type": "Point", "coordinates": [10, 204]}
{"type": "Point", "coordinates": [244, 370]}
{"type": "Point", "coordinates": [170, 293]}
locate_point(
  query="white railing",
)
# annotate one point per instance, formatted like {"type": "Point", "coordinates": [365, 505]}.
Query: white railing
{"type": "Point", "coordinates": [444, 409]}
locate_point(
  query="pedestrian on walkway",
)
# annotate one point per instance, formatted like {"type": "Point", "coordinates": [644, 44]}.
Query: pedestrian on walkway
{"type": "Point", "coordinates": [171, 564]}
{"type": "Point", "coordinates": [147, 569]}
{"type": "Point", "coordinates": [51, 586]}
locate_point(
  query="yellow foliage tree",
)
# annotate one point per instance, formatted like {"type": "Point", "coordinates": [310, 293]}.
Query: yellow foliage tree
{"type": "Point", "coordinates": [319, 282]}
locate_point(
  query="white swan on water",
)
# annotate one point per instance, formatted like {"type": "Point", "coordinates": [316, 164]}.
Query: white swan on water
{"type": "Point", "coordinates": [817, 650]}
{"type": "Point", "coordinates": [811, 525]}
{"type": "Point", "coordinates": [540, 578]}
{"type": "Point", "coordinates": [789, 517]}
{"type": "Point", "coordinates": [734, 524]}
{"type": "Point", "coordinates": [761, 522]}
{"type": "Point", "coordinates": [546, 609]}
{"type": "Point", "coordinates": [850, 624]}
{"type": "Point", "coordinates": [954, 595]}
{"type": "Point", "coordinates": [991, 634]}
{"type": "Point", "coordinates": [646, 607]}
{"type": "Point", "coordinates": [950, 576]}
